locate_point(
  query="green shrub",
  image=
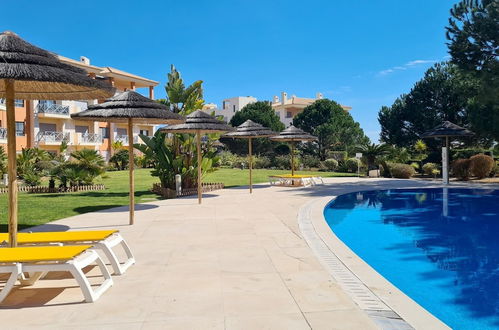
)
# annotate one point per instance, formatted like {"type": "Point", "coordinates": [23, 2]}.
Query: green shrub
{"type": "Point", "coordinates": [284, 162]}
{"type": "Point", "coordinates": [311, 162]}
{"type": "Point", "coordinates": [428, 168]}
{"type": "Point", "coordinates": [120, 159]}
{"type": "Point", "coordinates": [466, 153]}
{"type": "Point", "coordinates": [262, 162]}
{"type": "Point", "coordinates": [402, 171]}
{"type": "Point", "coordinates": [337, 155]}
{"type": "Point", "coordinates": [415, 166]}
{"type": "Point", "coordinates": [352, 164]}
{"type": "Point", "coordinates": [331, 164]}
{"type": "Point", "coordinates": [227, 159]}
{"type": "Point", "coordinates": [461, 168]}
{"type": "Point", "coordinates": [481, 165]}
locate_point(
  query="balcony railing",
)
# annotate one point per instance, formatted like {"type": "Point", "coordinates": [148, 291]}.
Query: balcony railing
{"type": "Point", "coordinates": [3, 133]}
{"type": "Point", "coordinates": [52, 137]}
{"type": "Point", "coordinates": [122, 138]}
{"type": "Point", "coordinates": [91, 138]}
{"type": "Point", "coordinates": [53, 109]}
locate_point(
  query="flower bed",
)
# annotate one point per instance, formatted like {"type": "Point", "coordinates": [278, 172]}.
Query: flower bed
{"type": "Point", "coordinates": [170, 193]}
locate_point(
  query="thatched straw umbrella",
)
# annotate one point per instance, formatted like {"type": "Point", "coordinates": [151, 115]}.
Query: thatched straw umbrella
{"type": "Point", "coordinates": [293, 134]}
{"type": "Point", "coordinates": [444, 131]}
{"type": "Point", "coordinates": [132, 108]}
{"type": "Point", "coordinates": [199, 123]}
{"type": "Point", "coordinates": [250, 130]}
{"type": "Point", "coordinates": [31, 73]}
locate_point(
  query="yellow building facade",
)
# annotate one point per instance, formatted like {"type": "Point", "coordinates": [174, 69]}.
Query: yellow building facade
{"type": "Point", "coordinates": [47, 123]}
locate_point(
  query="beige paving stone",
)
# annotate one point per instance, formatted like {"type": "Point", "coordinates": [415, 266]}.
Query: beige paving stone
{"type": "Point", "coordinates": [316, 291]}
{"type": "Point", "coordinates": [292, 321]}
{"type": "Point", "coordinates": [340, 320]}
{"type": "Point", "coordinates": [182, 323]}
{"type": "Point", "coordinates": [259, 303]}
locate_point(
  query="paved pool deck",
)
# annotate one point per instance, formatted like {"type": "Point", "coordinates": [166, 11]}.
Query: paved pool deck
{"type": "Point", "coordinates": [238, 261]}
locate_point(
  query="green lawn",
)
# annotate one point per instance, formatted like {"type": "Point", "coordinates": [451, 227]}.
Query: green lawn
{"type": "Point", "coordinates": [36, 209]}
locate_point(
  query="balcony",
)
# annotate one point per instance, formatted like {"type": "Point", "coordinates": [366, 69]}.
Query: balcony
{"type": "Point", "coordinates": [52, 111]}
{"type": "Point", "coordinates": [3, 135]}
{"type": "Point", "coordinates": [122, 138]}
{"type": "Point", "coordinates": [51, 138]}
{"type": "Point", "coordinates": [89, 139]}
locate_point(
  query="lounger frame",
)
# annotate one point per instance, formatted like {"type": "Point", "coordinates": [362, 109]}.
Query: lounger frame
{"type": "Point", "coordinates": [75, 266]}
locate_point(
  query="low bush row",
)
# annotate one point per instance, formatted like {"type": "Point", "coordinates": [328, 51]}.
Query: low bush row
{"type": "Point", "coordinates": [480, 166]}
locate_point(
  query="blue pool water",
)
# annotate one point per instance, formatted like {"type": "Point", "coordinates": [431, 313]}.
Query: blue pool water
{"type": "Point", "coordinates": [439, 246]}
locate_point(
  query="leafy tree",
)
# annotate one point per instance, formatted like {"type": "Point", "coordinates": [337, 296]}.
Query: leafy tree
{"type": "Point", "coordinates": [179, 98]}
{"type": "Point", "coordinates": [473, 34]}
{"type": "Point", "coordinates": [260, 112]}
{"type": "Point", "coordinates": [444, 93]}
{"type": "Point", "coordinates": [332, 125]}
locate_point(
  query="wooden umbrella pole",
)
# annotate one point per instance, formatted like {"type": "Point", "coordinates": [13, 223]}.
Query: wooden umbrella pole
{"type": "Point", "coordinates": [11, 158]}
{"type": "Point", "coordinates": [292, 158]}
{"type": "Point", "coordinates": [131, 170]}
{"type": "Point", "coordinates": [200, 192]}
{"type": "Point", "coordinates": [250, 162]}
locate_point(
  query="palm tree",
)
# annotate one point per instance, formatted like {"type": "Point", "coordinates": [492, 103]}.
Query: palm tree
{"type": "Point", "coordinates": [372, 152]}
{"type": "Point", "coordinates": [89, 161]}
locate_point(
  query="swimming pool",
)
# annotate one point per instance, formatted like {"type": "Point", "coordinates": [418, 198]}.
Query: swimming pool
{"type": "Point", "coordinates": [439, 246]}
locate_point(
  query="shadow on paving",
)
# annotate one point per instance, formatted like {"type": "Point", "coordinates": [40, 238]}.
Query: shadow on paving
{"type": "Point", "coordinates": [112, 208]}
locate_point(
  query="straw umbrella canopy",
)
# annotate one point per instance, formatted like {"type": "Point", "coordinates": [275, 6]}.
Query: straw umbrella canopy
{"type": "Point", "coordinates": [250, 130]}
{"type": "Point", "coordinates": [31, 73]}
{"type": "Point", "coordinates": [293, 134]}
{"type": "Point", "coordinates": [132, 108]}
{"type": "Point", "coordinates": [445, 131]}
{"type": "Point", "coordinates": [199, 123]}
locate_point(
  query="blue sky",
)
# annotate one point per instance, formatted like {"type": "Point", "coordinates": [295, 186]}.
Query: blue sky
{"type": "Point", "coordinates": [361, 53]}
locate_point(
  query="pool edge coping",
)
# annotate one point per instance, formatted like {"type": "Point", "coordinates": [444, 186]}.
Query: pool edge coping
{"type": "Point", "coordinates": [401, 305]}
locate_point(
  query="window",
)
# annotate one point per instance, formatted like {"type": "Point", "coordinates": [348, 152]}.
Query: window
{"type": "Point", "coordinates": [81, 129]}
{"type": "Point", "coordinates": [104, 132]}
{"type": "Point", "coordinates": [234, 108]}
{"type": "Point", "coordinates": [46, 102]}
{"type": "Point", "coordinates": [288, 114]}
{"type": "Point", "coordinates": [144, 132]}
{"type": "Point", "coordinates": [19, 103]}
{"type": "Point", "coordinates": [44, 127]}
{"type": "Point", "coordinates": [223, 105]}
{"type": "Point", "coordinates": [19, 128]}
{"type": "Point", "coordinates": [121, 131]}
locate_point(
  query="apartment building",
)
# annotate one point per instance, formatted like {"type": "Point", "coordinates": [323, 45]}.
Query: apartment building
{"type": "Point", "coordinates": [287, 108]}
{"type": "Point", "coordinates": [229, 106]}
{"type": "Point", "coordinates": [47, 123]}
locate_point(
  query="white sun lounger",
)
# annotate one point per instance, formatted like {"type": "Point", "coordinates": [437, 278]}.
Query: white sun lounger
{"type": "Point", "coordinates": [38, 260]}
{"type": "Point", "coordinates": [104, 240]}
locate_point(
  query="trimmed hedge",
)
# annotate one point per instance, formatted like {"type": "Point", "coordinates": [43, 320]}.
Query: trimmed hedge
{"type": "Point", "coordinates": [402, 171]}
{"type": "Point", "coordinates": [331, 164]}
{"type": "Point", "coordinates": [481, 165]}
{"type": "Point", "coordinates": [461, 168]}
